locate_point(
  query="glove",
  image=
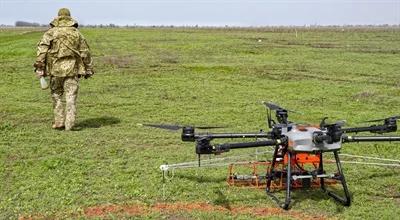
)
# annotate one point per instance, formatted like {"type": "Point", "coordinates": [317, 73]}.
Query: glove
{"type": "Point", "coordinates": [40, 73]}
{"type": "Point", "coordinates": [39, 69]}
{"type": "Point", "coordinates": [88, 74]}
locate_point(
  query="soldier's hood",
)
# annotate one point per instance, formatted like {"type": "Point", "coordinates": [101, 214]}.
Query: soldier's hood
{"type": "Point", "coordinates": [63, 21]}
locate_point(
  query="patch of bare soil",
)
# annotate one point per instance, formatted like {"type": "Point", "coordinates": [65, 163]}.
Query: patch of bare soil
{"type": "Point", "coordinates": [103, 210]}
{"type": "Point", "coordinates": [118, 61]}
{"type": "Point", "coordinates": [176, 208]}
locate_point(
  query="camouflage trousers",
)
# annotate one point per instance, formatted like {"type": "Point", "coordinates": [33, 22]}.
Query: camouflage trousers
{"type": "Point", "coordinates": [59, 86]}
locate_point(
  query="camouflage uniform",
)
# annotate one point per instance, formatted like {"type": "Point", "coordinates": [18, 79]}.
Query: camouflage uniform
{"type": "Point", "coordinates": [64, 55]}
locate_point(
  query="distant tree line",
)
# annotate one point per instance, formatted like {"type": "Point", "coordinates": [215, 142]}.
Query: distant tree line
{"type": "Point", "coordinates": [35, 24]}
{"type": "Point", "coordinates": [27, 24]}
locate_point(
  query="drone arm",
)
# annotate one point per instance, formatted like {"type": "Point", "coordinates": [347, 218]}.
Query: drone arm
{"type": "Point", "coordinates": [237, 135]}
{"type": "Point", "coordinates": [227, 146]}
{"type": "Point", "coordinates": [389, 125]}
{"type": "Point", "coordinates": [189, 135]}
{"type": "Point", "coordinates": [369, 138]}
{"type": "Point", "coordinates": [356, 129]}
{"type": "Point", "coordinates": [373, 129]}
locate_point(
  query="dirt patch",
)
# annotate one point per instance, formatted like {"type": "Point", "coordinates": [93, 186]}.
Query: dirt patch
{"type": "Point", "coordinates": [118, 61]}
{"type": "Point", "coordinates": [103, 210]}
{"type": "Point", "coordinates": [176, 208]}
{"type": "Point", "coordinates": [34, 31]}
{"type": "Point", "coordinates": [169, 58]}
{"type": "Point", "coordinates": [393, 192]}
{"type": "Point", "coordinates": [325, 45]}
{"type": "Point", "coordinates": [364, 95]}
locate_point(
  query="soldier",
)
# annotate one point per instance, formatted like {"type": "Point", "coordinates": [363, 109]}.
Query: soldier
{"type": "Point", "coordinates": [64, 55]}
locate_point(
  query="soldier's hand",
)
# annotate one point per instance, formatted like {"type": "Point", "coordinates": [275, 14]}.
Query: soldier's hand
{"type": "Point", "coordinates": [40, 73]}
{"type": "Point", "coordinates": [39, 69]}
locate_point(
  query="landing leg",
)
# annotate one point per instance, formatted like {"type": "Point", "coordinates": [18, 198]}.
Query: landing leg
{"type": "Point", "coordinates": [346, 201]}
{"type": "Point", "coordinates": [284, 205]}
{"type": "Point", "coordinates": [321, 171]}
{"type": "Point", "coordinates": [288, 182]}
{"type": "Point", "coordinates": [271, 170]}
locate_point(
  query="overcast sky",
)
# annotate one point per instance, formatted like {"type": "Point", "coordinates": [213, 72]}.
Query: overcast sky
{"type": "Point", "coordinates": [207, 12]}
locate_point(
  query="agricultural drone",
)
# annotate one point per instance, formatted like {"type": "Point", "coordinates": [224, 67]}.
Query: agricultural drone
{"type": "Point", "coordinates": [297, 160]}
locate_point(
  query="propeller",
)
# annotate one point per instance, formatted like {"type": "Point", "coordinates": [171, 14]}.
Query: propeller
{"type": "Point", "coordinates": [339, 123]}
{"type": "Point", "coordinates": [384, 119]}
{"type": "Point", "coordinates": [175, 127]}
{"type": "Point", "coordinates": [272, 106]}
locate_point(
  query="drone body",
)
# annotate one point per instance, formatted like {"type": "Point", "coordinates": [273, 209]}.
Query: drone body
{"type": "Point", "coordinates": [296, 145]}
{"type": "Point", "coordinates": [298, 160]}
{"type": "Point", "coordinates": [301, 138]}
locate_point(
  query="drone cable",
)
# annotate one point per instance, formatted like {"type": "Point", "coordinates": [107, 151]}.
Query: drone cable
{"type": "Point", "coordinates": [371, 158]}
{"type": "Point", "coordinates": [168, 170]}
{"type": "Point", "coordinates": [374, 161]}
{"type": "Point", "coordinates": [374, 164]}
{"type": "Point", "coordinates": [216, 162]}
{"type": "Point", "coordinates": [210, 161]}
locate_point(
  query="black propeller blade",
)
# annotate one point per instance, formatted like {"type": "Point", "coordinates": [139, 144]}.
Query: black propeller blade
{"type": "Point", "coordinates": [339, 123]}
{"type": "Point", "coordinates": [384, 119]}
{"type": "Point", "coordinates": [272, 106]}
{"type": "Point", "coordinates": [174, 127]}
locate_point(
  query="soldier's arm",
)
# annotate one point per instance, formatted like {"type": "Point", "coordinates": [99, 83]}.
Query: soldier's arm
{"type": "Point", "coordinates": [42, 48]}
{"type": "Point", "coordinates": [84, 51]}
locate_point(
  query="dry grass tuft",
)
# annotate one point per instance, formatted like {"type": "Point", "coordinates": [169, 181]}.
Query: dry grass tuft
{"type": "Point", "coordinates": [115, 61]}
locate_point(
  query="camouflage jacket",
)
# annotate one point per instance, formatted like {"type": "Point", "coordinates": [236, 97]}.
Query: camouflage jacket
{"type": "Point", "coordinates": [63, 50]}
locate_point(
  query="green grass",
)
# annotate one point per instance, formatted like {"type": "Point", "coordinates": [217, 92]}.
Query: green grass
{"type": "Point", "coordinates": [190, 76]}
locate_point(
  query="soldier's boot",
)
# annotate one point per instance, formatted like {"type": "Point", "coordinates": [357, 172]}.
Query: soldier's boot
{"type": "Point", "coordinates": [58, 111]}
{"type": "Point", "coordinates": [71, 92]}
{"type": "Point", "coordinates": [58, 126]}
{"type": "Point", "coordinates": [70, 119]}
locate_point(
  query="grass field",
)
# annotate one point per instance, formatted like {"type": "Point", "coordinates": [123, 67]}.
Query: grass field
{"type": "Point", "coordinates": [191, 76]}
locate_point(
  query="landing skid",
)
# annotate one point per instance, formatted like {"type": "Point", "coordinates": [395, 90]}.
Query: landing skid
{"type": "Point", "coordinates": [290, 177]}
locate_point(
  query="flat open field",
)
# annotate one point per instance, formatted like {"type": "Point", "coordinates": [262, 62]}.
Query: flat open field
{"type": "Point", "coordinates": [110, 167]}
